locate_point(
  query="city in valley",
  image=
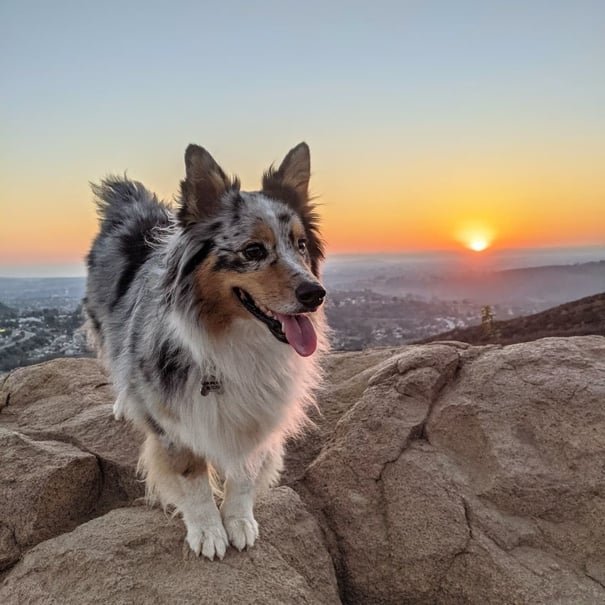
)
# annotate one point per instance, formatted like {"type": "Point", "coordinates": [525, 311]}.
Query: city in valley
{"type": "Point", "coordinates": [372, 301]}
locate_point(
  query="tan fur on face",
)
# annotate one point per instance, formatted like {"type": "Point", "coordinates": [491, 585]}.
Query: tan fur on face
{"type": "Point", "coordinates": [298, 231]}
{"type": "Point", "coordinates": [219, 307]}
{"type": "Point", "coordinates": [272, 286]}
{"type": "Point", "coordinates": [263, 233]}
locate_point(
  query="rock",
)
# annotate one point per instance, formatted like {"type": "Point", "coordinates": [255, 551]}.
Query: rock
{"type": "Point", "coordinates": [470, 475]}
{"type": "Point", "coordinates": [47, 488]}
{"type": "Point", "coordinates": [71, 400]}
{"type": "Point", "coordinates": [53, 381]}
{"type": "Point", "coordinates": [347, 375]}
{"type": "Point", "coordinates": [134, 555]}
{"type": "Point", "coordinates": [439, 473]}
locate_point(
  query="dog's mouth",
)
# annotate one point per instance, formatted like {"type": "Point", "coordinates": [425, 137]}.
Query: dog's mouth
{"type": "Point", "coordinates": [295, 330]}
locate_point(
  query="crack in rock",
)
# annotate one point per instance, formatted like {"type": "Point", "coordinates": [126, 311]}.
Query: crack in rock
{"type": "Point", "coordinates": [447, 376]}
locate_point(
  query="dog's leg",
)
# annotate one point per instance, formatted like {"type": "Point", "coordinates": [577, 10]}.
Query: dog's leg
{"type": "Point", "coordinates": [177, 477]}
{"type": "Point", "coordinates": [237, 510]}
{"type": "Point", "coordinates": [240, 493]}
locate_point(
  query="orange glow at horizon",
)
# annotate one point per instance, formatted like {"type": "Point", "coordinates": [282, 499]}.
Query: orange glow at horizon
{"type": "Point", "coordinates": [476, 235]}
{"type": "Point", "coordinates": [65, 237]}
{"type": "Point", "coordinates": [369, 212]}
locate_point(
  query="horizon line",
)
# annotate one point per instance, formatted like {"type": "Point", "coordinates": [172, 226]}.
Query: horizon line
{"type": "Point", "coordinates": [78, 269]}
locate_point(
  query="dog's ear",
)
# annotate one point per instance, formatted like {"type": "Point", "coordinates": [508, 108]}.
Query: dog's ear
{"type": "Point", "coordinates": [290, 184]}
{"type": "Point", "coordinates": [293, 173]}
{"type": "Point", "coordinates": [204, 185]}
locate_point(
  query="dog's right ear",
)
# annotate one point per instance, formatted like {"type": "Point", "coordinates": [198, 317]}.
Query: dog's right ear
{"type": "Point", "coordinates": [204, 185]}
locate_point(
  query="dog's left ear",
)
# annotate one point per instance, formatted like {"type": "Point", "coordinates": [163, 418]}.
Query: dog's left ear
{"type": "Point", "coordinates": [293, 173]}
{"type": "Point", "coordinates": [204, 185]}
{"type": "Point", "coordinates": [290, 185]}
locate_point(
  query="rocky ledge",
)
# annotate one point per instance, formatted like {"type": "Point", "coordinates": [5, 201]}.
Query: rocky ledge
{"type": "Point", "coordinates": [438, 473]}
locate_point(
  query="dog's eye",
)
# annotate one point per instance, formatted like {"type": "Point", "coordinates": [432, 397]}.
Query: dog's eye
{"type": "Point", "coordinates": [302, 245]}
{"type": "Point", "coordinates": [254, 252]}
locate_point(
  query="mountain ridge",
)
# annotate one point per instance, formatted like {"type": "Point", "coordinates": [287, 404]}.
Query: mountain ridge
{"type": "Point", "coordinates": [585, 316]}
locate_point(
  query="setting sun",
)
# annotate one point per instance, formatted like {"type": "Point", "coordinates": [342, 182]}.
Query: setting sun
{"type": "Point", "coordinates": [478, 245]}
{"type": "Point", "coordinates": [475, 234]}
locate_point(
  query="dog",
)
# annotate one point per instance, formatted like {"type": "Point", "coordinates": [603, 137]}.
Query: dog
{"type": "Point", "coordinates": [209, 317]}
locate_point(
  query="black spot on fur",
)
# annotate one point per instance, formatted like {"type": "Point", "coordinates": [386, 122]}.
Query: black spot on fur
{"type": "Point", "coordinates": [136, 245]}
{"type": "Point", "coordinates": [214, 227]}
{"type": "Point", "coordinates": [236, 207]}
{"type": "Point", "coordinates": [173, 367]}
{"type": "Point", "coordinates": [154, 426]}
{"type": "Point", "coordinates": [133, 341]}
{"type": "Point", "coordinates": [230, 263]}
{"type": "Point", "coordinates": [136, 250]}
{"type": "Point", "coordinates": [198, 258]}
{"type": "Point", "coordinates": [284, 217]}
{"type": "Point", "coordinates": [96, 324]}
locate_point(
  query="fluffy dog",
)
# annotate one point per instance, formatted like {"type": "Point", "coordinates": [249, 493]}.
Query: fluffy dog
{"type": "Point", "coordinates": [209, 321]}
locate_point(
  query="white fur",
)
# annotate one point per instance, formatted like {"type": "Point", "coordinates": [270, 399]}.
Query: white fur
{"type": "Point", "coordinates": [267, 389]}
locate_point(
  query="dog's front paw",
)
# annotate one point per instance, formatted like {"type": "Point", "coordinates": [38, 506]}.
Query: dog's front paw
{"type": "Point", "coordinates": [242, 531]}
{"type": "Point", "coordinates": [209, 539]}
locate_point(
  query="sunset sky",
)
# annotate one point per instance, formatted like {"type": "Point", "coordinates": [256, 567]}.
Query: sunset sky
{"type": "Point", "coordinates": [431, 124]}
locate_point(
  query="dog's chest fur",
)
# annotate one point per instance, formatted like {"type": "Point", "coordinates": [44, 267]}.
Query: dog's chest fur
{"type": "Point", "coordinates": [265, 388]}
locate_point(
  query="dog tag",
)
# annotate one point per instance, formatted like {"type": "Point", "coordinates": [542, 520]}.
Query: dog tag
{"type": "Point", "coordinates": [210, 384]}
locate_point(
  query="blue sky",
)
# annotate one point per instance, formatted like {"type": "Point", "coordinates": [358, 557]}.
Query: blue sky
{"type": "Point", "coordinates": [382, 90]}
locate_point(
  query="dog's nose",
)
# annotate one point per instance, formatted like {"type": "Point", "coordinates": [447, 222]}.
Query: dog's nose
{"type": "Point", "coordinates": [310, 295]}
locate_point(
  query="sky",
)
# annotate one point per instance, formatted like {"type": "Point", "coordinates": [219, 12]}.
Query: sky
{"type": "Point", "coordinates": [432, 125]}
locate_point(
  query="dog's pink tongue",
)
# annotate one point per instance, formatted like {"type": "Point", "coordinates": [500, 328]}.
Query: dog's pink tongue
{"type": "Point", "coordinates": [300, 333]}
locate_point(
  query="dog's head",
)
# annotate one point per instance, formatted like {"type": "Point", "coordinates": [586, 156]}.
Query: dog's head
{"type": "Point", "coordinates": [258, 253]}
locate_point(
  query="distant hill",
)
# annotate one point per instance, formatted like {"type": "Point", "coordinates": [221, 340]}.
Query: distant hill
{"type": "Point", "coordinates": [577, 318]}
{"type": "Point", "coordinates": [545, 285]}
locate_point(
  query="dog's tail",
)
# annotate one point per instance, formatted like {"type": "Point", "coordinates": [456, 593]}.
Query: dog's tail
{"type": "Point", "coordinates": [119, 198]}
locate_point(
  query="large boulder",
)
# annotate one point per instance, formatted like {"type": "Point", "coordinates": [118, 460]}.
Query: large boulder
{"type": "Point", "coordinates": [439, 473]}
{"type": "Point", "coordinates": [70, 400]}
{"type": "Point", "coordinates": [47, 488]}
{"type": "Point", "coordinates": [470, 475]}
{"type": "Point", "coordinates": [135, 555]}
